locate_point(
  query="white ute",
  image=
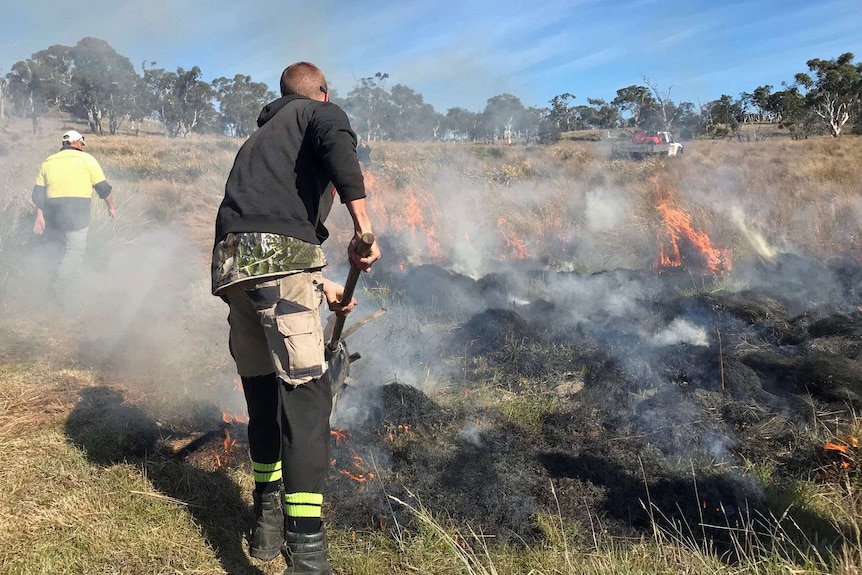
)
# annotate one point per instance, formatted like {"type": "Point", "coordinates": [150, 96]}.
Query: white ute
{"type": "Point", "coordinates": [641, 145]}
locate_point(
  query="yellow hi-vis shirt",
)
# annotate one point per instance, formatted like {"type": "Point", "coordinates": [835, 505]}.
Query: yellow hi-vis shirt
{"type": "Point", "coordinates": [64, 188]}
{"type": "Point", "coordinates": [70, 173]}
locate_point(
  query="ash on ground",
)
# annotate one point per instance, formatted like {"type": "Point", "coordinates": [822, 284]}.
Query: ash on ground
{"type": "Point", "coordinates": [619, 399]}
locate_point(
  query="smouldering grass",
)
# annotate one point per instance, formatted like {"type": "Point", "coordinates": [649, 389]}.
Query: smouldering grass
{"type": "Point", "coordinates": [70, 509]}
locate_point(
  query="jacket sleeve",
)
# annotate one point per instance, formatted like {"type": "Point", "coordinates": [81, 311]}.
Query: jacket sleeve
{"type": "Point", "coordinates": [336, 145]}
{"type": "Point", "coordinates": [40, 196]}
{"type": "Point", "coordinates": [103, 188]}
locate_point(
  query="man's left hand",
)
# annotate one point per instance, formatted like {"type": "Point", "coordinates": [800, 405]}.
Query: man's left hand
{"type": "Point", "coordinates": [39, 224]}
{"type": "Point", "coordinates": [334, 292]}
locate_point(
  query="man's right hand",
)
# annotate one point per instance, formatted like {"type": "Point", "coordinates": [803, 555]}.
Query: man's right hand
{"type": "Point", "coordinates": [358, 259]}
{"type": "Point", "coordinates": [39, 225]}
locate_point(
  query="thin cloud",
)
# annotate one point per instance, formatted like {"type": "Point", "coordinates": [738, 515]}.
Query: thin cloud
{"type": "Point", "coordinates": [588, 61]}
{"type": "Point", "coordinates": [458, 53]}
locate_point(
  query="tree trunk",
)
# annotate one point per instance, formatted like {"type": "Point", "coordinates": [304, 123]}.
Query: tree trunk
{"type": "Point", "coordinates": [33, 115]}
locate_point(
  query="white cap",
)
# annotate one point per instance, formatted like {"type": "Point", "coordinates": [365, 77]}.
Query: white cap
{"type": "Point", "coordinates": [73, 136]}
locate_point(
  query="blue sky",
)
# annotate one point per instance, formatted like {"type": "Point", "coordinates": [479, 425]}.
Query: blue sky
{"type": "Point", "coordinates": [460, 53]}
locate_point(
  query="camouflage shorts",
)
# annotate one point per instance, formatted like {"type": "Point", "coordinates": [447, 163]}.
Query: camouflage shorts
{"type": "Point", "coordinates": [275, 327]}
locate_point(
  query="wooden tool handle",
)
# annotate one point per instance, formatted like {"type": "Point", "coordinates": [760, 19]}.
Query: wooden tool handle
{"type": "Point", "coordinates": [366, 240]}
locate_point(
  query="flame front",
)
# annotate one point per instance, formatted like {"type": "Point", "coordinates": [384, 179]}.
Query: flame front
{"type": "Point", "coordinates": [677, 224]}
{"type": "Point", "coordinates": [340, 436]}
{"type": "Point", "coordinates": [414, 214]}
{"type": "Point", "coordinates": [357, 471]}
{"type": "Point", "coordinates": [417, 215]}
{"type": "Point", "coordinates": [513, 241]}
{"type": "Point", "coordinates": [846, 451]}
{"type": "Point", "coordinates": [221, 459]}
{"type": "Point", "coordinates": [231, 418]}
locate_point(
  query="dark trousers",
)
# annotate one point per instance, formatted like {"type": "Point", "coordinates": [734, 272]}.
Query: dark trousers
{"type": "Point", "coordinates": [290, 424]}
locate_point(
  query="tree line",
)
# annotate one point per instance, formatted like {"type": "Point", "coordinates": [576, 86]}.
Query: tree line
{"type": "Point", "coordinates": [94, 83]}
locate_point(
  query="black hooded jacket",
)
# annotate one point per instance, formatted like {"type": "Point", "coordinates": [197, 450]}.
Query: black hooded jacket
{"type": "Point", "coordinates": [282, 177]}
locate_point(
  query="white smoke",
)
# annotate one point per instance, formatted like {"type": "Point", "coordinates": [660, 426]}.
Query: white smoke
{"type": "Point", "coordinates": [605, 210]}
{"type": "Point", "coordinates": [471, 433]}
{"type": "Point", "coordinates": [680, 331]}
{"type": "Point", "coordinates": [755, 239]}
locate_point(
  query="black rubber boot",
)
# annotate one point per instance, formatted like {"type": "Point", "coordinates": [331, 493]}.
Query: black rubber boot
{"type": "Point", "coordinates": [268, 536]}
{"type": "Point", "coordinates": [306, 553]}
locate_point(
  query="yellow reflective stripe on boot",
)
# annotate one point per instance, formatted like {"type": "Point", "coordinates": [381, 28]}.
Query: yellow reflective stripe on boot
{"type": "Point", "coordinates": [303, 504]}
{"type": "Point", "coordinates": [266, 472]}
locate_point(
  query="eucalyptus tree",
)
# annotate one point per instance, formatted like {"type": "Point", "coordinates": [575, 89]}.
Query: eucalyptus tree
{"type": "Point", "coordinates": [410, 117]}
{"type": "Point", "coordinates": [638, 102]}
{"type": "Point", "coordinates": [562, 112]}
{"type": "Point", "coordinates": [504, 116]}
{"type": "Point", "coordinates": [40, 83]}
{"type": "Point", "coordinates": [793, 112]}
{"type": "Point", "coordinates": [665, 108]}
{"type": "Point", "coordinates": [756, 104]}
{"type": "Point", "coordinates": [722, 118]}
{"type": "Point", "coordinates": [687, 121]}
{"type": "Point", "coordinates": [601, 114]}
{"type": "Point", "coordinates": [181, 100]}
{"type": "Point", "coordinates": [102, 84]}
{"type": "Point", "coordinates": [240, 101]}
{"type": "Point", "coordinates": [369, 105]}
{"type": "Point", "coordinates": [462, 124]}
{"type": "Point", "coordinates": [26, 90]}
{"type": "Point", "coordinates": [834, 91]}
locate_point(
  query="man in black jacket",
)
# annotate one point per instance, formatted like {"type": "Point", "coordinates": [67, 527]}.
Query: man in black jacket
{"type": "Point", "coordinates": [267, 264]}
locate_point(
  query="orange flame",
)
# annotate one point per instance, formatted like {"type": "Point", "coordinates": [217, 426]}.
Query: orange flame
{"type": "Point", "coordinates": [357, 472]}
{"type": "Point", "coordinates": [414, 213]}
{"type": "Point", "coordinates": [222, 459]}
{"type": "Point", "coordinates": [230, 418]}
{"type": "Point", "coordinates": [228, 442]}
{"type": "Point", "coordinates": [513, 241]}
{"type": "Point", "coordinates": [360, 477]}
{"type": "Point", "coordinates": [339, 435]}
{"type": "Point", "coordinates": [414, 221]}
{"type": "Point", "coordinates": [400, 429]}
{"type": "Point", "coordinates": [677, 223]}
{"type": "Point", "coordinates": [843, 449]}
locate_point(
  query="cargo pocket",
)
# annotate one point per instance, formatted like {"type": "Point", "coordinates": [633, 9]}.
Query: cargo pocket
{"type": "Point", "coordinates": [303, 340]}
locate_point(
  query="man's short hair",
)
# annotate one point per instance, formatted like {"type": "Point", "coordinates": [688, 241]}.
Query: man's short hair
{"type": "Point", "coordinates": [303, 78]}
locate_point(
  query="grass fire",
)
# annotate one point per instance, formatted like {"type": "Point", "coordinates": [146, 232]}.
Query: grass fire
{"type": "Point", "coordinates": [586, 365]}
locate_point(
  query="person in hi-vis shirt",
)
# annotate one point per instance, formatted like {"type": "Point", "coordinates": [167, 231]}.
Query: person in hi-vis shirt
{"type": "Point", "coordinates": [62, 194]}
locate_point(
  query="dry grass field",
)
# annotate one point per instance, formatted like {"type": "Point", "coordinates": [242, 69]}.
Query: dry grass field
{"type": "Point", "coordinates": [123, 447]}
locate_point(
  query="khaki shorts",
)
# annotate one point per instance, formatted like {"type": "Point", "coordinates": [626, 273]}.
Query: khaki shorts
{"type": "Point", "coordinates": [275, 327]}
